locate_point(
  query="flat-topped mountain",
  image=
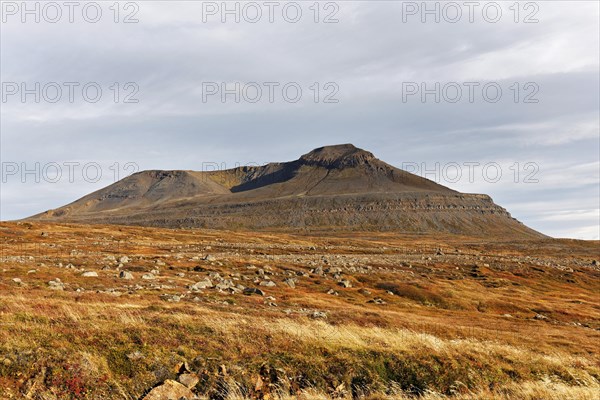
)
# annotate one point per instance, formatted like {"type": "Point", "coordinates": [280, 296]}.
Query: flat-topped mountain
{"type": "Point", "coordinates": [334, 187]}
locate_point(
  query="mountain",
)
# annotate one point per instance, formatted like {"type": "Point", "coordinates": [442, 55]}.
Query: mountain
{"type": "Point", "coordinates": [334, 187]}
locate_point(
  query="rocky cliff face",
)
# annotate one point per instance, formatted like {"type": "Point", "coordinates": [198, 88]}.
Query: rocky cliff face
{"type": "Point", "coordinates": [334, 187]}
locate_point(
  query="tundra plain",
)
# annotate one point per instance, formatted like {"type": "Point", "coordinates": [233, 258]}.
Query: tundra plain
{"type": "Point", "coordinates": [108, 311]}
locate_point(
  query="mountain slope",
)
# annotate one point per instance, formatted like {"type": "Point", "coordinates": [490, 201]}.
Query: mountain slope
{"type": "Point", "coordinates": [332, 187]}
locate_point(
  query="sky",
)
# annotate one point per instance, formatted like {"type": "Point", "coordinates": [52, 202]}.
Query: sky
{"type": "Point", "coordinates": [499, 98]}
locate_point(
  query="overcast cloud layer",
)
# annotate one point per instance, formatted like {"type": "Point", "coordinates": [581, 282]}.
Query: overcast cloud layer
{"type": "Point", "coordinates": [368, 61]}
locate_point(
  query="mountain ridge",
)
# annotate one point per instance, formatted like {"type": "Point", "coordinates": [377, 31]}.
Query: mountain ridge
{"type": "Point", "coordinates": [338, 187]}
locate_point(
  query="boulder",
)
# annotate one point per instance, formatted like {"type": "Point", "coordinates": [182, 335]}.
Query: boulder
{"type": "Point", "coordinates": [205, 284]}
{"type": "Point", "coordinates": [291, 283]}
{"type": "Point", "coordinates": [170, 390]}
{"type": "Point", "coordinates": [56, 284]}
{"type": "Point", "coordinates": [225, 285]}
{"type": "Point", "coordinates": [249, 291]}
{"type": "Point", "coordinates": [125, 275]}
{"type": "Point", "coordinates": [318, 314]}
{"type": "Point", "coordinates": [345, 283]}
{"type": "Point", "coordinates": [189, 380]}
{"type": "Point", "coordinates": [170, 297]}
{"type": "Point", "coordinates": [90, 274]}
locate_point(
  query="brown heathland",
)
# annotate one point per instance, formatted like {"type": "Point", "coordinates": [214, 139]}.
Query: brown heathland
{"type": "Point", "coordinates": [320, 315]}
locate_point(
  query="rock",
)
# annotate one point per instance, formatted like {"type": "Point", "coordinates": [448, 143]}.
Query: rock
{"type": "Point", "coordinates": [189, 380]}
{"type": "Point", "coordinates": [170, 390]}
{"type": "Point", "coordinates": [124, 260]}
{"type": "Point", "coordinates": [376, 300]}
{"type": "Point", "coordinates": [210, 258]}
{"type": "Point", "coordinates": [148, 276]}
{"type": "Point", "coordinates": [170, 297]}
{"type": "Point", "coordinates": [225, 285]}
{"type": "Point", "coordinates": [90, 274]}
{"type": "Point", "coordinates": [364, 291]}
{"type": "Point", "coordinates": [540, 317]}
{"type": "Point", "coordinates": [136, 355]}
{"type": "Point", "coordinates": [291, 283]}
{"type": "Point", "coordinates": [345, 283]}
{"type": "Point", "coordinates": [44, 234]}
{"type": "Point", "coordinates": [332, 292]}
{"type": "Point", "coordinates": [180, 274]}
{"type": "Point", "coordinates": [56, 284]}
{"type": "Point", "coordinates": [249, 291]}
{"type": "Point", "coordinates": [205, 284]}
{"type": "Point", "coordinates": [318, 314]}
{"type": "Point", "coordinates": [17, 280]}
{"type": "Point", "coordinates": [318, 271]}
{"type": "Point", "coordinates": [595, 262]}
{"type": "Point", "coordinates": [126, 275]}
{"type": "Point", "coordinates": [32, 271]}
{"type": "Point", "coordinates": [267, 283]}
{"type": "Point", "coordinates": [214, 275]}
{"type": "Point", "coordinates": [182, 368]}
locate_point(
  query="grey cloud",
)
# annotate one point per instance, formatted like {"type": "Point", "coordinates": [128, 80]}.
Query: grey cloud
{"type": "Point", "coordinates": [370, 53]}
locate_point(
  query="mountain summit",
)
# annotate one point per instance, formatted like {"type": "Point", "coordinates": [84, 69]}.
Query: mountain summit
{"type": "Point", "coordinates": [337, 187]}
{"type": "Point", "coordinates": [338, 156]}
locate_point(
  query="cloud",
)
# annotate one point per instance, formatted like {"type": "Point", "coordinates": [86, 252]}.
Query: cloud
{"type": "Point", "coordinates": [369, 54]}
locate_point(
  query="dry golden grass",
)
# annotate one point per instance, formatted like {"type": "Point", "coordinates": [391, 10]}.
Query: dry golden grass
{"type": "Point", "coordinates": [439, 336]}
